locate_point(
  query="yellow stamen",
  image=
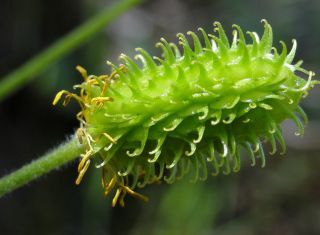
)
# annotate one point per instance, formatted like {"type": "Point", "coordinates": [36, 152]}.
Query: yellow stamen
{"type": "Point", "coordinates": [109, 137]}
{"type": "Point", "coordinates": [80, 117]}
{"type": "Point", "coordinates": [84, 159]}
{"type": "Point", "coordinates": [83, 135]}
{"type": "Point", "coordinates": [99, 101]}
{"type": "Point", "coordinates": [83, 72]}
{"type": "Point", "coordinates": [93, 81]}
{"type": "Point", "coordinates": [110, 186]}
{"type": "Point", "coordinates": [104, 89]}
{"type": "Point", "coordinates": [104, 77]}
{"type": "Point", "coordinates": [82, 172]}
{"type": "Point", "coordinates": [121, 199]}
{"type": "Point", "coordinates": [80, 134]}
{"type": "Point", "coordinates": [58, 96]}
{"type": "Point", "coordinates": [134, 194]}
{"type": "Point", "coordinates": [115, 198]}
{"type": "Point", "coordinates": [67, 98]}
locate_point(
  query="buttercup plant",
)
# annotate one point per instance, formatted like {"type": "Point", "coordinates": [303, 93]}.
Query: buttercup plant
{"type": "Point", "coordinates": [200, 109]}
{"type": "Point", "coordinates": [189, 113]}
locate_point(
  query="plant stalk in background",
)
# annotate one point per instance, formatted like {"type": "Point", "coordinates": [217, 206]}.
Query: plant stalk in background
{"type": "Point", "coordinates": [62, 47]}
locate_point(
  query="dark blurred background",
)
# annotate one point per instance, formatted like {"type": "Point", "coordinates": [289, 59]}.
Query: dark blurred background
{"type": "Point", "coordinates": [283, 198]}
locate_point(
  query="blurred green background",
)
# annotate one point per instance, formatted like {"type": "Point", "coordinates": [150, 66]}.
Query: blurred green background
{"type": "Point", "coordinates": [283, 198]}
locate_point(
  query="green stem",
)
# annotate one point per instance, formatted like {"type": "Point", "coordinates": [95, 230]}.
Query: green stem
{"type": "Point", "coordinates": [50, 161]}
{"type": "Point", "coordinates": [65, 45]}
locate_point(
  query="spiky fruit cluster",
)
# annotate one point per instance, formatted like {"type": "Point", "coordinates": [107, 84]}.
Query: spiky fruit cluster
{"type": "Point", "coordinates": [191, 110]}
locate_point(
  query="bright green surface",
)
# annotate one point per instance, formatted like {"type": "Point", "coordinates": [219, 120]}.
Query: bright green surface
{"type": "Point", "coordinates": [195, 109]}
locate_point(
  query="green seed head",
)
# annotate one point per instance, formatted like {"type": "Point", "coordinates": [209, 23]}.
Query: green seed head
{"type": "Point", "coordinates": [189, 112]}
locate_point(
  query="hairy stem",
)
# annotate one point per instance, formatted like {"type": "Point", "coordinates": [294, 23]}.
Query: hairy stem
{"type": "Point", "coordinates": [50, 161]}
{"type": "Point", "coordinates": [65, 45]}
